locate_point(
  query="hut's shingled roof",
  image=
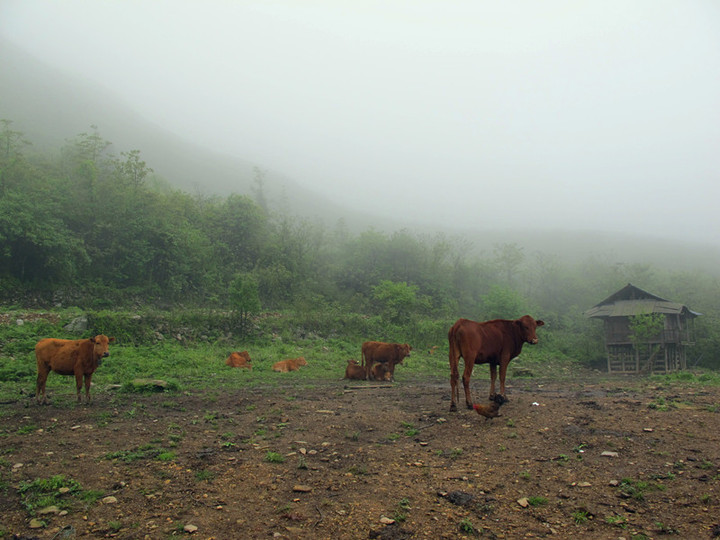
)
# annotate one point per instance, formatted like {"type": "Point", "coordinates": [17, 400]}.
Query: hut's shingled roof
{"type": "Point", "coordinates": [631, 300]}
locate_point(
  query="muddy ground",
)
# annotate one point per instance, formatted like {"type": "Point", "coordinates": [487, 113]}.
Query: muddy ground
{"type": "Point", "coordinates": [596, 457]}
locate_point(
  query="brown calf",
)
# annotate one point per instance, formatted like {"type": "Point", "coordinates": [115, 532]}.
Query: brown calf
{"type": "Point", "coordinates": [291, 364]}
{"type": "Point", "coordinates": [79, 357]}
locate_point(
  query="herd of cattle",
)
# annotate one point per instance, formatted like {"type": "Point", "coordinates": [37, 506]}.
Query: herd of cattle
{"type": "Point", "coordinates": [493, 342]}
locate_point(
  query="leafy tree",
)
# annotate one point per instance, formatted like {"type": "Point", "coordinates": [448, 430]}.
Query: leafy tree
{"type": "Point", "coordinates": [503, 303]}
{"type": "Point", "coordinates": [245, 300]}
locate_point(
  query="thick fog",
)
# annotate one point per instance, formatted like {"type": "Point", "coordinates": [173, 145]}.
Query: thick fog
{"type": "Point", "coordinates": [598, 115]}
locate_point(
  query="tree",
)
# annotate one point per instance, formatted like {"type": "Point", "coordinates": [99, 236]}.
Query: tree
{"type": "Point", "coordinates": [245, 300]}
{"type": "Point", "coordinates": [132, 170]}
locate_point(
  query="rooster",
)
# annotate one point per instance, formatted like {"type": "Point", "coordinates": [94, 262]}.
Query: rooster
{"type": "Point", "coordinates": [491, 409]}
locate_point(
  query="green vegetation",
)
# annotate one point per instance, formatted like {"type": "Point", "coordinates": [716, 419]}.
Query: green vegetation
{"type": "Point", "coordinates": [467, 527]}
{"type": "Point", "coordinates": [274, 457]}
{"type": "Point", "coordinates": [537, 501]}
{"type": "Point", "coordinates": [58, 491]}
{"type": "Point", "coordinates": [182, 279]}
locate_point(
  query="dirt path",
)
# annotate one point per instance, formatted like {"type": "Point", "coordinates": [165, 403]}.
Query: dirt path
{"type": "Point", "coordinates": [588, 459]}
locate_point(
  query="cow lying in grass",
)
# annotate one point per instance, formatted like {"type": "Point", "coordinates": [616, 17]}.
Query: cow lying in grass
{"type": "Point", "coordinates": [239, 359]}
{"type": "Point", "coordinates": [291, 364]}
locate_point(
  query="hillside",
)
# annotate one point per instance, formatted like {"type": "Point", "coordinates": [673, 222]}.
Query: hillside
{"type": "Point", "coordinates": [50, 106]}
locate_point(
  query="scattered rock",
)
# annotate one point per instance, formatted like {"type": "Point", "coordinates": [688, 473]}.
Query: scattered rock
{"type": "Point", "coordinates": [460, 498]}
{"type": "Point", "coordinates": [302, 489]}
{"type": "Point", "coordinates": [523, 502]}
{"type": "Point", "coordinates": [77, 325]}
{"type": "Point", "coordinates": [189, 528]}
{"type": "Point", "coordinates": [49, 510]}
{"type": "Point", "coordinates": [156, 384]}
{"type": "Point", "coordinates": [110, 500]}
{"type": "Point", "coordinates": [36, 524]}
{"type": "Point", "coordinates": [607, 453]}
{"type": "Point", "coordinates": [386, 520]}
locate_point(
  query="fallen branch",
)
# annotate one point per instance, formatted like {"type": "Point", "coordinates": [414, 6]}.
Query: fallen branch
{"type": "Point", "coordinates": [369, 387]}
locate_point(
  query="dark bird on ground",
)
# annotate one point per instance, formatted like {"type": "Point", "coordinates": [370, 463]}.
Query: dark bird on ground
{"type": "Point", "coordinates": [491, 409]}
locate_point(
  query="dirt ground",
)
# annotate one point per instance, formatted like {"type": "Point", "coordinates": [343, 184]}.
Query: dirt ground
{"type": "Point", "coordinates": [595, 457]}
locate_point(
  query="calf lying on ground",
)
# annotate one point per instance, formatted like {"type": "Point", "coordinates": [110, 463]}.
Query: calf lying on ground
{"type": "Point", "coordinates": [354, 370]}
{"type": "Point", "coordinates": [239, 359]}
{"type": "Point", "coordinates": [291, 364]}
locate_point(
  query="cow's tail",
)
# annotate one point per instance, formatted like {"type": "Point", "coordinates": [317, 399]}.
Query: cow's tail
{"type": "Point", "coordinates": [453, 353]}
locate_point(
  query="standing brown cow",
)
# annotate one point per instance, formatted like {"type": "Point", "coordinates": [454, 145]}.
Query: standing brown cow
{"type": "Point", "coordinates": [491, 342]}
{"type": "Point", "coordinates": [389, 354]}
{"type": "Point", "coordinates": [79, 357]}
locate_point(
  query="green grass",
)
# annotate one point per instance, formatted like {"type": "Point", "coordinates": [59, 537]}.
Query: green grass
{"type": "Point", "coordinates": [57, 491]}
{"type": "Point", "coordinates": [199, 365]}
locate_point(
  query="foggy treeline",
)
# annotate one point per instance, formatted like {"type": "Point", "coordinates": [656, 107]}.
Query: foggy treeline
{"type": "Point", "coordinates": [83, 226]}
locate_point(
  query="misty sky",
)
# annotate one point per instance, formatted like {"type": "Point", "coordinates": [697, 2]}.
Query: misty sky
{"type": "Point", "coordinates": [588, 114]}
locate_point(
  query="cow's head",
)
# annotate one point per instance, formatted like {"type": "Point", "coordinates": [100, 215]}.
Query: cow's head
{"type": "Point", "coordinates": [404, 350]}
{"type": "Point", "coordinates": [301, 361]}
{"type": "Point", "coordinates": [101, 346]}
{"type": "Point", "coordinates": [527, 327]}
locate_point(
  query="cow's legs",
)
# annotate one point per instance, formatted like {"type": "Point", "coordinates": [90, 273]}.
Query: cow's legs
{"type": "Point", "coordinates": [503, 371]}
{"type": "Point", "coordinates": [78, 384]}
{"type": "Point", "coordinates": [466, 383]}
{"type": "Point", "coordinates": [88, 378]}
{"type": "Point", "coordinates": [493, 376]}
{"type": "Point", "coordinates": [454, 390]}
{"type": "Point", "coordinates": [42, 376]}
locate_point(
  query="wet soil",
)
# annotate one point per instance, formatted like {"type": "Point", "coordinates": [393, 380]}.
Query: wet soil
{"type": "Point", "coordinates": [596, 457]}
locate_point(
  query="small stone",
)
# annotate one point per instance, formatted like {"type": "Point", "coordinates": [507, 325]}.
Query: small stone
{"type": "Point", "coordinates": [110, 500]}
{"type": "Point", "coordinates": [607, 453]}
{"type": "Point", "coordinates": [523, 502]}
{"type": "Point", "coordinates": [63, 490]}
{"type": "Point", "coordinates": [49, 510]}
{"type": "Point", "coordinates": [613, 483]}
{"type": "Point", "coordinates": [648, 429]}
{"type": "Point", "coordinates": [36, 524]}
{"type": "Point", "coordinates": [190, 528]}
{"type": "Point", "coordinates": [302, 489]}
{"type": "Point", "coordinates": [386, 520]}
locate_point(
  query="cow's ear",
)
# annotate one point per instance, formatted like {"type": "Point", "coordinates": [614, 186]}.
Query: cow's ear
{"type": "Point", "coordinates": [92, 340]}
{"type": "Point", "coordinates": [540, 323]}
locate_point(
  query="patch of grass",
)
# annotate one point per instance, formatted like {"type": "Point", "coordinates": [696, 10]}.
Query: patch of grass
{"type": "Point", "coordinates": [637, 489]}
{"type": "Point", "coordinates": [24, 430]}
{"type": "Point", "coordinates": [166, 456]}
{"type": "Point", "coordinates": [44, 492]}
{"type": "Point", "coordinates": [204, 476]}
{"type": "Point", "coordinates": [525, 475]}
{"type": "Point", "coordinates": [394, 436]}
{"type": "Point", "coordinates": [580, 517]}
{"type": "Point", "coordinates": [274, 457]}
{"type": "Point", "coordinates": [537, 501]}
{"type": "Point", "coordinates": [617, 521]}
{"type": "Point", "coordinates": [358, 470]}
{"type": "Point", "coordinates": [466, 526]}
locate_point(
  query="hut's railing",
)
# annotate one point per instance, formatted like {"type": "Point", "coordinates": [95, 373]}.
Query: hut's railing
{"type": "Point", "coordinates": [624, 336]}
